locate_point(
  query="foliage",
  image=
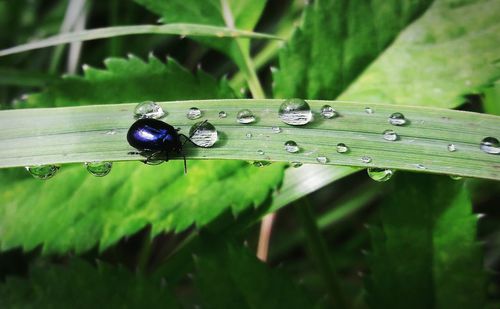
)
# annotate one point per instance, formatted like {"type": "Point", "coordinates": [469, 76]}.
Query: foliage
{"type": "Point", "coordinates": [154, 226]}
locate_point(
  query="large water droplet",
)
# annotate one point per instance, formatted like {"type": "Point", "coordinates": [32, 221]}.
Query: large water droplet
{"type": "Point", "coordinates": [380, 174]}
{"type": "Point", "coordinates": [148, 109]}
{"type": "Point", "coordinates": [245, 116]}
{"type": "Point", "coordinates": [328, 112]}
{"type": "Point", "coordinates": [366, 159]}
{"type": "Point", "coordinates": [203, 134]}
{"type": "Point", "coordinates": [291, 146]}
{"type": "Point", "coordinates": [397, 119]}
{"type": "Point", "coordinates": [342, 148]}
{"type": "Point", "coordinates": [390, 135]}
{"type": "Point", "coordinates": [452, 147]}
{"type": "Point", "coordinates": [490, 145]}
{"type": "Point", "coordinates": [296, 164]}
{"type": "Point", "coordinates": [322, 159]}
{"type": "Point", "coordinates": [99, 169]}
{"type": "Point", "coordinates": [222, 114]}
{"type": "Point", "coordinates": [368, 110]}
{"type": "Point", "coordinates": [295, 112]}
{"type": "Point", "coordinates": [193, 113]}
{"type": "Point", "coordinates": [42, 171]}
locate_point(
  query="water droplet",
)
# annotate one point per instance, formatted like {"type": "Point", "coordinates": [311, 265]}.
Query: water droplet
{"type": "Point", "coordinates": [110, 132]}
{"type": "Point", "coordinates": [368, 110]}
{"type": "Point", "coordinates": [203, 134]}
{"type": "Point", "coordinates": [296, 164]}
{"type": "Point", "coordinates": [322, 159]}
{"type": "Point", "coordinates": [276, 129]}
{"type": "Point", "coordinates": [249, 135]}
{"type": "Point", "coordinates": [291, 147]}
{"type": "Point", "coordinates": [222, 114]}
{"type": "Point", "coordinates": [452, 148]}
{"type": "Point", "coordinates": [245, 116]}
{"type": "Point", "coordinates": [421, 166]}
{"type": "Point", "coordinates": [148, 109]}
{"type": "Point", "coordinates": [261, 163]}
{"type": "Point", "coordinates": [397, 119]}
{"type": "Point", "coordinates": [456, 177]}
{"type": "Point", "coordinates": [490, 145]}
{"type": "Point", "coordinates": [342, 148]}
{"type": "Point", "coordinates": [390, 135]}
{"type": "Point", "coordinates": [42, 171]}
{"type": "Point", "coordinates": [380, 174]}
{"type": "Point", "coordinates": [295, 112]}
{"type": "Point", "coordinates": [193, 113]}
{"type": "Point", "coordinates": [261, 152]}
{"type": "Point", "coordinates": [366, 159]}
{"type": "Point", "coordinates": [328, 112]}
{"type": "Point", "coordinates": [99, 169]}
{"type": "Point", "coordinates": [152, 161]}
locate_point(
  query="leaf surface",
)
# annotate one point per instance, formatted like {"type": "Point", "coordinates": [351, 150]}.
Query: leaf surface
{"type": "Point", "coordinates": [80, 285]}
{"type": "Point", "coordinates": [451, 51]}
{"type": "Point", "coordinates": [244, 282]}
{"type": "Point", "coordinates": [75, 211]}
{"type": "Point", "coordinates": [425, 254]}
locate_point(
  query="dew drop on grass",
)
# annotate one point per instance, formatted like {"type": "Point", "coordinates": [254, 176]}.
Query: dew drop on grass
{"type": "Point", "coordinates": [261, 152]}
{"type": "Point", "coordinates": [397, 119]}
{"type": "Point", "coordinates": [261, 163]}
{"type": "Point", "coordinates": [380, 174]}
{"type": "Point", "coordinates": [152, 161]}
{"type": "Point", "coordinates": [222, 114]}
{"type": "Point", "coordinates": [366, 159]}
{"type": "Point", "coordinates": [203, 134]}
{"type": "Point", "coordinates": [249, 135]}
{"type": "Point", "coordinates": [342, 148]}
{"type": "Point", "coordinates": [295, 112]}
{"type": "Point", "coordinates": [148, 109]}
{"type": "Point", "coordinates": [456, 177]}
{"type": "Point", "coordinates": [390, 135]}
{"type": "Point", "coordinates": [328, 112]}
{"type": "Point", "coordinates": [322, 159]}
{"type": "Point", "coordinates": [490, 145]}
{"type": "Point", "coordinates": [245, 116]}
{"type": "Point", "coordinates": [193, 113]}
{"type": "Point", "coordinates": [276, 129]}
{"type": "Point", "coordinates": [296, 164]}
{"type": "Point", "coordinates": [368, 110]}
{"type": "Point", "coordinates": [42, 172]}
{"type": "Point", "coordinates": [452, 147]}
{"type": "Point", "coordinates": [421, 166]}
{"type": "Point", "coordinates": [98, 168]}
{"type": "Point", "coordinates": [291, 147]}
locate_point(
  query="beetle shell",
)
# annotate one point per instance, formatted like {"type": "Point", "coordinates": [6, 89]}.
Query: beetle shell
{"type": "Point", "coordinates": [155, 135]}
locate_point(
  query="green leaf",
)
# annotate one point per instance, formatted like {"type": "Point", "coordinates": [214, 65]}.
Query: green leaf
{"type": "Point", "coordinates": [336, 41]}
{"type": "Point", "coordinates": [242, 14]}
{"type": "Point", "coordinates": [245, 282]}
{"type": "Point", "coordinates": [110, 32]}
{"type": "Point", "coordinates": [425, 255]}
{"type": "Point", "coordinates": [491, 100]}
{"type": "Point", "coordinates": [451, 51]}
{"type": "Point", "coordinates": [127, 80]}
{"type": "Point", "coordinates": [75, 211]}
{"type": "Point", "coordinates": [80, 285]}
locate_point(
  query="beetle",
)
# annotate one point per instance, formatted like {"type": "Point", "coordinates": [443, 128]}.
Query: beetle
{"type": "Point", "coordinates": [154, 138]}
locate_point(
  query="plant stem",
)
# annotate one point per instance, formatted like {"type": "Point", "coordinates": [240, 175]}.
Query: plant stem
{"type": "Point", "coordinates": [319, 253]}
{"type": "Point", "coordinates": [266, 227]}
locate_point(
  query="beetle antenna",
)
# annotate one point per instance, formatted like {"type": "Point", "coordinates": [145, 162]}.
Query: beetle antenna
{"type": "Point", "coordinates": [188, 138]}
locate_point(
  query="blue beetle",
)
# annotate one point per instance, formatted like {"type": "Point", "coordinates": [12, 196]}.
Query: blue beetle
{"type": "Point", "coordinates": [156, 138]}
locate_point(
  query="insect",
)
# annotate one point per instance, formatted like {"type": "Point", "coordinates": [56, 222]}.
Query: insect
{"type": "Point", "coordinates": [157, 139]}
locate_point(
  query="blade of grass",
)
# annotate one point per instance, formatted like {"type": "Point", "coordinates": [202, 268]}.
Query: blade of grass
{"type": "Point", "coordinates": [98, 133]}
{"type": "Point", "coordinates": [101, 33]}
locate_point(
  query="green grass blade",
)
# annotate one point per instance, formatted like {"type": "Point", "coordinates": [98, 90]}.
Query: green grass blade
{"type": "Point", "coordinates": [96, 133]}
{"type": "Point", "coordinates": [182, 29]}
